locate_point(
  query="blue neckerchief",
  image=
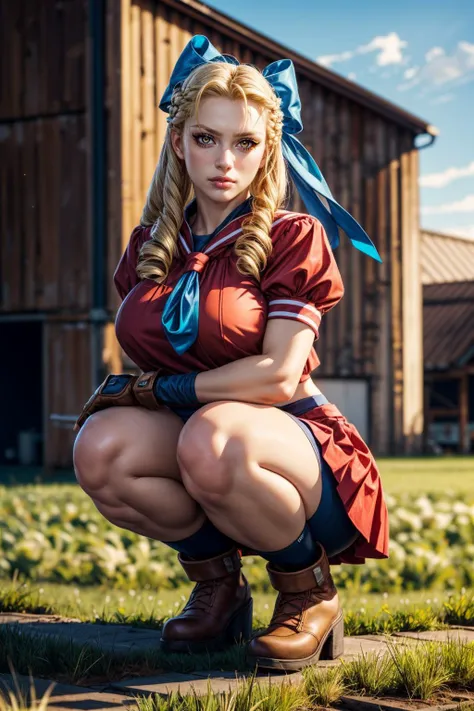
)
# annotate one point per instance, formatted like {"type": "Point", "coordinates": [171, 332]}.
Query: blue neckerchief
{"type": "Point", "coordinates": [180, 318]}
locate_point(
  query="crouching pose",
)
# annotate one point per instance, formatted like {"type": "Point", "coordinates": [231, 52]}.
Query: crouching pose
{"type": "Point", "coordinates": [224, 446]}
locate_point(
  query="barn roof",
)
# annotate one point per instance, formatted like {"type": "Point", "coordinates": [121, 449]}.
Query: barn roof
{"type": "Point", "coordinates": [446, 258]}
{"type": "Point", "coordinates": [447, 272]}
{"type": "Point", "coordinates": [262, 43]}
{"type": "Point", "coordinates": [448, 319]}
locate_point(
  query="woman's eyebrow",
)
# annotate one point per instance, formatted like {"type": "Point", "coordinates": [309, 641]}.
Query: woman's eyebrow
{"type": "Point", "coordinates": [217, 133]}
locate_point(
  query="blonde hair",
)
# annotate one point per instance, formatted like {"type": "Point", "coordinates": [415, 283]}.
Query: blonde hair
{"type": "Point", "coordinates": [171, 187]}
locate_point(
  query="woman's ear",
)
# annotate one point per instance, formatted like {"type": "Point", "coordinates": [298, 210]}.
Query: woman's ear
{"type": "Point", "coordinates": [176, 142]}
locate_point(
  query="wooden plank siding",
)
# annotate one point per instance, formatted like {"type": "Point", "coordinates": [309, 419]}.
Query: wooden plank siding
{"type": "Point", "coordinates": [66, 349]}
{"type": "Point", "coordinates": [44, 240]}
{"type": "Point", "coordinates": [363, 145]}
{"type": "Point", "coordinates": [67, 381]}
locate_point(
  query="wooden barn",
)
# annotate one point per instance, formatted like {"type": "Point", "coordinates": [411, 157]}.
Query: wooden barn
{"type": "Point", "coordinates": [447, 264]}
{"type": "Point", "coordinates": [80, 133]}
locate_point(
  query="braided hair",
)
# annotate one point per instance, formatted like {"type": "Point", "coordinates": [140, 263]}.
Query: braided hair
{"type": "Point", "coordinates": [171, 188]}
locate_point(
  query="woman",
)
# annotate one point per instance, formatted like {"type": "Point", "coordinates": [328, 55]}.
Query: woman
{"type": "Point", "coordinates": [224, 446]}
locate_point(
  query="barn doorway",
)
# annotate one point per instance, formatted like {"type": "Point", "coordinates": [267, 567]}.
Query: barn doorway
{"type": "Point", "coordinates": [21, 416]}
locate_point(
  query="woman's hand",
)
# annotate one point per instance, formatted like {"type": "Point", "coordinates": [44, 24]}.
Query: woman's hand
{"type": "Point", "coordinates": [122, 390]}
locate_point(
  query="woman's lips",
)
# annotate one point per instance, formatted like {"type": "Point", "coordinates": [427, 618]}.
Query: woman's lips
{"type": "Point", "coordinates": [222, 183]}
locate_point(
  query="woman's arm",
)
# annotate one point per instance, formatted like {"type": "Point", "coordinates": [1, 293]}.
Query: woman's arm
{"type": "Point", "coordinates": [267, 379]}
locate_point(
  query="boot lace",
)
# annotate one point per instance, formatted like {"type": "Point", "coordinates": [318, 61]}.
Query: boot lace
{"type": "Point", "coordinates": [288, 610]}
{"type": "Point", "coordinates": [202, 597]}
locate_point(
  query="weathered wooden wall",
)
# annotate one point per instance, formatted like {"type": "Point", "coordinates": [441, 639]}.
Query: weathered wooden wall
{"type": "Point", "coordinates": [45, 236]}
{"type": "Point", "coordinates": [44, 231]}
{"type": "Point", "coordinates": [371, 166]}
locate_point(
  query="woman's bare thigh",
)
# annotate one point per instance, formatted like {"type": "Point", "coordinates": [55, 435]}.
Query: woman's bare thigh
{"type": "Point", "coordinates": [127, 441]}
{"type": "Point", "coordinates": [227, 432]}
{"type": "Point", "coordinates": [125, 460]}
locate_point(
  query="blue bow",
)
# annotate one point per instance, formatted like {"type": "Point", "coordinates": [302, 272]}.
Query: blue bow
{"type": "Point", "coordinates": [308, 179]}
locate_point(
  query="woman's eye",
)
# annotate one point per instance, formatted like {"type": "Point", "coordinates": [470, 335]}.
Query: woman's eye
{"type": "Point", "coordinates": [199, 139]}
{"type": "Point", "coordinates": [250, 144]}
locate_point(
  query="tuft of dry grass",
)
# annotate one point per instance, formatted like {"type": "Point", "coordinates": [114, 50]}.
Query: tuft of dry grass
{"type": "Point", "coordinates": [458, 660]}
{"type": "Point", "coordinates": [421, 669]}
{"type": "Point", "coordinates": [248, 696]}
{"type": "Point", "coordinates": [372, 673]}
{"type": "Point", "coordinates": [324, 687]}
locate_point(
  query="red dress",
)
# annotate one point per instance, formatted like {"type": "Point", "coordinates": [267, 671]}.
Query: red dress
{"type": "Point", "coordinates": [301, 281]}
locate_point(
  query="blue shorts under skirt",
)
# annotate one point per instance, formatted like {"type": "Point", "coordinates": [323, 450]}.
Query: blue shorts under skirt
{"type": "Point", "coordinates": [330, 524]}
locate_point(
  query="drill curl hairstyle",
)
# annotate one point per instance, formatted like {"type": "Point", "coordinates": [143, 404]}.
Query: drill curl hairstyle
{"type": "Point", "coordinates": [171, 188]}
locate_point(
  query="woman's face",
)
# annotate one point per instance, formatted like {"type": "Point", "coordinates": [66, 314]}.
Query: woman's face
{"type": "Point", "coordinates": [226, 143]}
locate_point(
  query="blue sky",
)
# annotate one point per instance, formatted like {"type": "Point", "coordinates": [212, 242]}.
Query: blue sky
{"type": "Point", "coordinates": [419, 54]}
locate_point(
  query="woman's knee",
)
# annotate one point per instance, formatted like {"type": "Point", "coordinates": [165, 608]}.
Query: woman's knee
{"type": "Point", "coordinates": [96, 448]}
{"type": "Point", "coordinates": [208, 453]}
{"type": "Point", "coordinates": [126, 441]}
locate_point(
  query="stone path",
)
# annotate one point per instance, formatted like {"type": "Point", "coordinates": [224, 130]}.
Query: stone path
{"type": "Point", "coordinates": [121, 639]}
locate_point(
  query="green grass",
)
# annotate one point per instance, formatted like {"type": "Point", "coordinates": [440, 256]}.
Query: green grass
{"type": "Point", "coordinates": [419, 475]}
{"type": "Point", "coordinates": [101, 602]}
{"type": "Point", "coordinates": [364, 614]}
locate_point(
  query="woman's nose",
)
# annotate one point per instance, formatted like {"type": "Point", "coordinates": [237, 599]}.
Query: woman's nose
{"type": "Point", "coordinates": [225, 159]}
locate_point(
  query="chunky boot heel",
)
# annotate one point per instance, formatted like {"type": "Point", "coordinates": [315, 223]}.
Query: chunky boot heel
{"type": "Point", "coordinates": [240, 627]}
{"type": "Point", "coordinates": [306, 621]}
{"type": "Point", "coordinates": [334, 644]}
{"type": "Point", "coordinates": [219, 609]}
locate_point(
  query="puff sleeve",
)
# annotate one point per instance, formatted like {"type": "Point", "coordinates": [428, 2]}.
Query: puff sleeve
{"type": "Point", "coordinates": [301, 280]}
{"type": "Point", "coordinates": [125, 275]}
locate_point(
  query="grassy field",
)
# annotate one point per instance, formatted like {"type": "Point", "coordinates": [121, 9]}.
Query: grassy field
{"type": "Point", "coordinates": [412, 474]}
{"type": "Point", "coordinates": [365, 613]}
{"type": "Point", "coordinates": [101, 602]}
{"type": "Point", "coordinates": [418, 475]}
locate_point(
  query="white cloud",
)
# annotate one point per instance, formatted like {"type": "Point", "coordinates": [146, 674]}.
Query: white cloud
{"type": "Point", "coordinates": [440, 180]}
{"type": "Point", "coordinates": [443, 99]}
{"type": "Point", "coordinates": [410, 73]}
{"type": "Point", "coordinates": [352, 76]}
{"type": "Point", "coordinates": [464, 205]}
{"type": "Point", "coordinates": [441, 68]}
{"type": "Point", "coordinates": [388, 47]}
{"type": "Point", "coordinates": [328, 59]}
{"type": "Point", "coordinates": [433, 53]}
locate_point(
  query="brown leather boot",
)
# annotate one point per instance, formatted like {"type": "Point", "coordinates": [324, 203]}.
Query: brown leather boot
{"type": "Point", "coordinates": [307, 621]}
{"type": "Point", "coordinates": [219, 610]}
